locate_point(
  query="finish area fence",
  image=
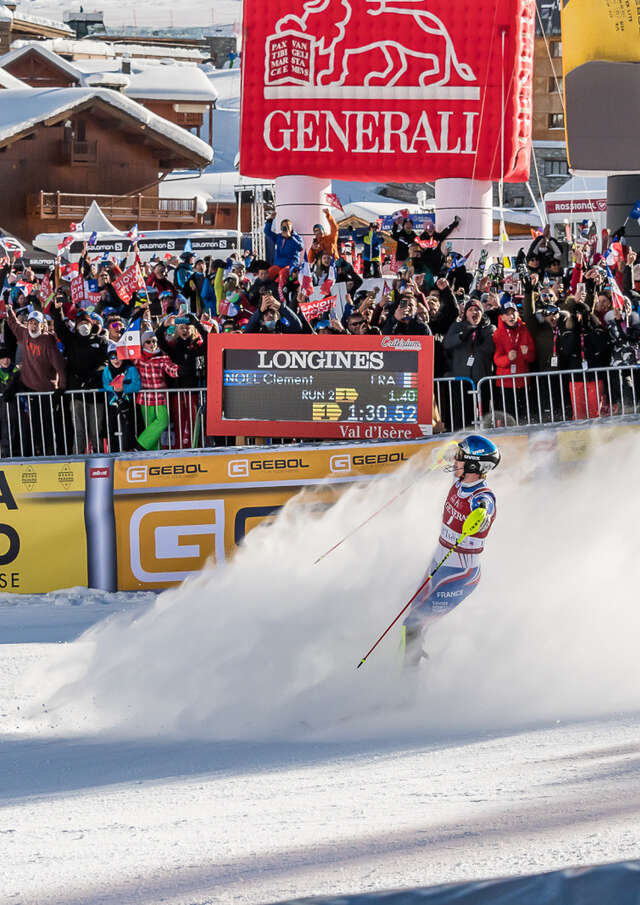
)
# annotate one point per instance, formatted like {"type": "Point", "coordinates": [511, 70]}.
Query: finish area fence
{"type": "Point", "coordinates": [81, 422]}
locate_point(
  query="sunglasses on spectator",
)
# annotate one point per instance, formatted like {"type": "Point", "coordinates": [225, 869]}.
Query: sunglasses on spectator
{"type": "Point", "coordinates": [117, 325]}
{"type": "Point", "coordinates": [356, 323]}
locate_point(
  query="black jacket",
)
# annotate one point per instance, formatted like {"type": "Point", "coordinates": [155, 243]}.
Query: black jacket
{"type": "Point", "coordinates": [463, 342]}
{"type": "Point", "coordinates": [86, 355]}
{"type": "Point", "coordinates": [190, 354]}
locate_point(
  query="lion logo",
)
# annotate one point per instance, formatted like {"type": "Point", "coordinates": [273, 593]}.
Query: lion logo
{"type": "Point", "coordinates": [316, 49]}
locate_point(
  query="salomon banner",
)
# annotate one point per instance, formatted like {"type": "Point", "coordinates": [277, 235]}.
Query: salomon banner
{"type": "Point", "coordinates": [392, 90]}
{"type": "Point", "coordinates": [600, 52]}
{"type": "Point", "coordinates": [42, 528]}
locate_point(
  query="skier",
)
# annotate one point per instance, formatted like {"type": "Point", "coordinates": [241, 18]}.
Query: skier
{"type": "Point", "coordinates": [452, 583]}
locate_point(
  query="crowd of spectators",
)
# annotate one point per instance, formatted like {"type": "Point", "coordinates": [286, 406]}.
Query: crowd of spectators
{"type": "Point", "coordinates": [538, 316]}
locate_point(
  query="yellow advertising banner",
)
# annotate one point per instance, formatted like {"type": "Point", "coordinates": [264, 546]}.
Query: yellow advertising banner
{"type": "Point", "coordinates": [600, 30]}
{"type": "Point", "coordinates": [42, 529]}
{"type": "Point", "coordinates": [172, 514]}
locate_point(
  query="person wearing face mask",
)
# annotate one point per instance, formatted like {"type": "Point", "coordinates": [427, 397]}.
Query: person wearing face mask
{"type": "Point", "coordinates": [85, 348]}
{"type": "Point", "coordinates": [273, 317]}
{"type": "Point", "coordinates": [42, 370]}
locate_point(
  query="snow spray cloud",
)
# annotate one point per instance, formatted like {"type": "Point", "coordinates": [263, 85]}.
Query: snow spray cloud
{"type": "Point", "coordinates": [266, 646]}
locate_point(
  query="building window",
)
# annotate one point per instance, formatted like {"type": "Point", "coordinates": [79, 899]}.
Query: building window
{"type": "Point", "coordinates": [556, 168]}
{"type": "Point", "coordinates": [556, 120]}
{"type": "Point", "coordinates": [517, 201]}
{"type": "Point", "coordinates": [555, 85]}
{"type": "Point", "coordinates": [556, 48]}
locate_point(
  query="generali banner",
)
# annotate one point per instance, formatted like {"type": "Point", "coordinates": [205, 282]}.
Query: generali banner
{"type": "Point", "coordinates": [387, 89]}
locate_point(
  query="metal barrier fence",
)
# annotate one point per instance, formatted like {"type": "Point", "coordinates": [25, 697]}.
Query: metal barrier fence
{"type": "Point", "coordinates": [552, 397]}
{"type": "Point", "coordinates": [80, 422]}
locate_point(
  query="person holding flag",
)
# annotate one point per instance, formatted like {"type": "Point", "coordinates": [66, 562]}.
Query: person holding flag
{"type": "Point", "coordinates": [323, 242]}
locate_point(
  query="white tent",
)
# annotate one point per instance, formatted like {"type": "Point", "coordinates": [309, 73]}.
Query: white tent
{"type": "Point", "coordinates": [95, 221]}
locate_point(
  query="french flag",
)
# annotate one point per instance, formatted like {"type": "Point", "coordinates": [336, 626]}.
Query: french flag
{"type": "Point", "coordinates": [307, 281]}
{"type": "Point", "coordinates": [133, 235]}
{"type": "Point", "coordinates": [129, 346]}
{"type": "Point", "coordinates": [617, 298]}
{"type": "Point", "coordinates": [614, 254]}
{"type": "Point", "coordinates": [327, 286]}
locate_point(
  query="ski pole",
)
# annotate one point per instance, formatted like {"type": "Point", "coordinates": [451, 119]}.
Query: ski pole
{"type": "Point", "coordinates": [436, 464]}
{"type": "Point", "coordinates": [471, 526]}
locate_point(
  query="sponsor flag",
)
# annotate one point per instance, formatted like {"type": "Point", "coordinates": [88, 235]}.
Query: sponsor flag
{"type": "Point", "coordinates": [66, 241]}
{"type": "Point", "coordinates": [77, 290]}
{"type": "Point", "coordinates": [313, 310]}
{"type": "Point", "coordinates": [45, 288]}
{"type": "Point", "coordinates": [307, 282]}
{"type": "Point", "coordinates": [404, 214]}
{"type": "Point", "coordinates": [334, 201]}
{"type": "Point", "coordinates": [68, 271]}
{"type": "Point", "coordinates": [93, 238]}
{"type": "Point", "coordinates": [129, 282]}
{"type": "Point", "coordinates": [129, 346]}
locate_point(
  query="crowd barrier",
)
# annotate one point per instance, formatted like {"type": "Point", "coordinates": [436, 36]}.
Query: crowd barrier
{"type": "Point", "coordinates": [149, 521]}
{"type": "Point", "coordinates": [81, 422]}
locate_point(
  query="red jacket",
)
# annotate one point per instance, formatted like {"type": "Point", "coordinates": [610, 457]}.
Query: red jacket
{"type": "Point", "coordinates": [507, 339]}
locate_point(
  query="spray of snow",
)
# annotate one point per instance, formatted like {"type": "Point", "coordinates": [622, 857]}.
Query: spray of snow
{"type": "Point", "coordinates": [267, 646]}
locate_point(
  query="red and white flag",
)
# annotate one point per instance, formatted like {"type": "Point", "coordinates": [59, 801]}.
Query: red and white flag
{"type": "Point", "coordinates": [77, 290]}
{"type": "Point", "coordinates": [327, 286]}
{"type": "Point", "coordinates": [334, 201]}
{"type": "Point", "coordinates": [66, 241]}
{"type": "Point", "coordinates": [68, 271]}
{"type": "Point", "coordinates": [617, 298]}
{"type": "Point", "coordinates": [129, 346]}
{"type": "Point", "coordinates": [307, 282]}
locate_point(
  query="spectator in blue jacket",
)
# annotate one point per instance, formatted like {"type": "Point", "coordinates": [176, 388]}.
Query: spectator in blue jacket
{"type": "Point", "coordinates": [288, 244]}
{"type": "Point", "coordinates": [120, 380]}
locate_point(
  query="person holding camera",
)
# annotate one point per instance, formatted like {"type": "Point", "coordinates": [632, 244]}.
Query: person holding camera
{"type": "Point", "coordinates": [288, 245]}
{"type": "Point", "coordinates": [324, 243]}
{"type": "Point", "coordinates": [273, 317]}
{"type": "Point", "coordinates": [404, 320]}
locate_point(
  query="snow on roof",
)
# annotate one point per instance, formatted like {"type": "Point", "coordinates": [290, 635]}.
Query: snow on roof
{"type": "Point", "coordinates": [38, 47]}
{"type": "Point", "coordinates": [10, 81]}
{"type": "Point", "coordinates": [580, 187]}
{"type": "Point", "coordinates": [5, 14]}
{"type": "Point", "coordinates": [170, 83]}
{"type": "Point", "coordinates": [211, 187]}
{"type": "Point", "coordinates": [19, 16]}
{"type": "Point", "coordinates": [100, 49]}
{"type": "Point", "coordinates": [22, 108]}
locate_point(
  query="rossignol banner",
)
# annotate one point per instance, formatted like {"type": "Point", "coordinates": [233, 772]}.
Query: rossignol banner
{"type": "Point", "coordinates": [387, 89]}
{"type": "Point", "coordinates": [42, 529]}
{"type": "Point", "coordinates": [600, 50]}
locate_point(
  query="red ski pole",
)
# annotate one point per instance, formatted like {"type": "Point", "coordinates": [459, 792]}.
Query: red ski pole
{"type": "Point", "coordinates": [471, 525]}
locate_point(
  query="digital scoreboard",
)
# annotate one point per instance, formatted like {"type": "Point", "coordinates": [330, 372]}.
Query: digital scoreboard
{"type": "Point", "coordinates": [346, 387]}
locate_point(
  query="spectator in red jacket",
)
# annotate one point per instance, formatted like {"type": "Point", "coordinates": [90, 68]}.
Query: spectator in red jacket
{"type": "Point", "coordinates": [153, 367]}
{"type": "Point", "coordinates": [514, 353]}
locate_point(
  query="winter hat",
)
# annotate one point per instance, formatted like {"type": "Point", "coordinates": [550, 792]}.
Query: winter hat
{"type": "Point", "coordinates": [4, 352]}
{"type": "Point", "coordinates": [273, 272]}
{"type": "Point", "coordinates": [36, 316]}
{"type": "Point", "coordinates": [96, 319]}
{"type": "Point", "coordinates": [470, 303]}
{"type": "Point", "coordinates": [509, 304]}
{"type": "Point", "coordinates": [146, 336]}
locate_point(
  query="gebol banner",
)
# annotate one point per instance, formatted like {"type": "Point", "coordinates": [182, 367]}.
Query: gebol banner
{"type": "Point", "coordinates": [42, 528]}
{"type": "Point", "coordinates": [396, 90]}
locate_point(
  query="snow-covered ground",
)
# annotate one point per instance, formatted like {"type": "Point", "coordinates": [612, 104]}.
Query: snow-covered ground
{"type": "Point", "coordinates": [216, 744]}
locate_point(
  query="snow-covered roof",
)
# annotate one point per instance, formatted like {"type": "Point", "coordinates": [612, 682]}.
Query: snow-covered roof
{"type": "Point", "coordinates": [169, 53]}
{"type": "Point", "coordinates": [155, 80]}
{"type": "Point", "coordinates": [580, 187]}
{"type": "Point", "coordinates": [210, 187]}
{"type": "Point", "coordinates": [19, 16]}
{"type": "Point", "coordinates": [10, 81]}
{"type": "Point", "coordinates": [39, 48]}
{"type": "Point", "coordinates": [5, 14]}
{"type": "Point", "coordinates": [26, 107]}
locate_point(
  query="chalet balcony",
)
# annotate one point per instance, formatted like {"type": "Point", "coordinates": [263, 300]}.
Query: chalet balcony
{"type": "Point", "coordinates": [79, 152]}
{"type": "Point", "coordinates": [127, 209]}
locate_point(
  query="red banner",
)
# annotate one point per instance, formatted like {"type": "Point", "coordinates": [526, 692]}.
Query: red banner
{"type": "Point", "coordinates": [129, 282]}
{"type": "Point", "coordinates": [387, 90]}
{"type": "Point", "coordinates": [45, 288]}
{"type": "Point", "coordinates": [312, 310]}
{"type": "Point", "coordinates": [77, 290]}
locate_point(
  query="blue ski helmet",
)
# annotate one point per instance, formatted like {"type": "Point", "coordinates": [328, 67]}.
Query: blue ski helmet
{"type": "Point", "coordinates": [478, 454]}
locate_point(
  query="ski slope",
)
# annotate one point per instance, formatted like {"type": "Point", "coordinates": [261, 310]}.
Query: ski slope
{"type": "Point", "coordinates": [216, 743]}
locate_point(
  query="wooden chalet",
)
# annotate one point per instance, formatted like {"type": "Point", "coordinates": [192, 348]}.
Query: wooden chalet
{"type": "Point", "coordinates": [61, 149]}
